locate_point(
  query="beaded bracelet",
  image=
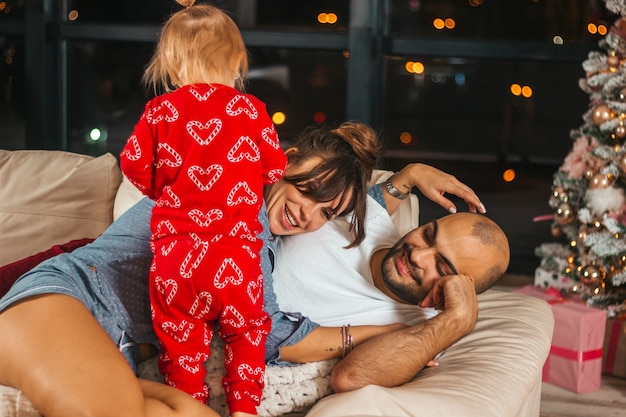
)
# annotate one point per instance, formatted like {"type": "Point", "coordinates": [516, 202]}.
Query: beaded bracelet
{"type": "Point", "coordinates": [346, 339]}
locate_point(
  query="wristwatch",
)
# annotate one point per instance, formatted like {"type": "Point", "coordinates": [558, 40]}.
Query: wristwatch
{"type": "Point", "coordinates": [393, 191]}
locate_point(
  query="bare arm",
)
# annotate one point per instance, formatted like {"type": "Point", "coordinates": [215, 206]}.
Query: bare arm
{"type": "Point", "coordinates": [325, 343]}
{"type": "Point", "coordinates": [434, 184]}
{"type": "Point", "coordinates": [394, 358]}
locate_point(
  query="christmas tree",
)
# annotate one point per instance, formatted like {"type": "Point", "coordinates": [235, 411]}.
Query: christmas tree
{"type": "Point", "coordinates": [588, 190]}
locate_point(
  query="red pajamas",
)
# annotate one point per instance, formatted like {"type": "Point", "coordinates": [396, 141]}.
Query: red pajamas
{"type": "Point", "coordinates": [204, 154]}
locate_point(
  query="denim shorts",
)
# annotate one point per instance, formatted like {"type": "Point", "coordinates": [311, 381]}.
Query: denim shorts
{"type": "Point", "coordinates": [82, 284]}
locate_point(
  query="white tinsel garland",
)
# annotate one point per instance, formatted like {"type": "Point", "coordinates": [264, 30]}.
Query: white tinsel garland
{"type": "Point", "coordinates": [585, 216]}
{"type": "Point", "coordinates": [610, 125]}
{"type": "Point", "coordinates": [618, 106]}
{"type": "Point", "coordinates": [603, 244]}
{"type": "Point", "coordinates": [619, 279]}
{"type": "Point", "coordinates": [552, 249]}
{"type": "Point", "coordinates": [612, 225]}
{"type": "Point", "coordinates": [595, 62]}
{"type": "Point", "coordinates": [616, 6]}
{"type": "Point", "coordinates": [603, 200]}
{"type": "Point", "coordinates": [615, 83]}
{"type": "Point", "coordinates": [584, 86]}
{"type": "Point", "coordinates": [604, 152]}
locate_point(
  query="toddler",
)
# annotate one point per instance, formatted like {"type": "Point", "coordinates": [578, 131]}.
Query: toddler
{"type": "Point", "coordinates": [204, 150]}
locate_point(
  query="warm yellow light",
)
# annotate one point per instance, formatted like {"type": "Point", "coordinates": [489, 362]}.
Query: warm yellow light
{"type": "Point", "coordinates": [527, 91]}
{"type": "Point", "coordinates": [602, 30]}
{"type": "Point", "coordinates": [73, 15]}
{"type": "Point", "coordinates": [475, 3]}
{"type": "Point", "coordinates": [414, 67]}
{"type": "Point", "coordinates": [516, 89]}
{"type": "Point", "coordinates": [450, 23]}
{"type": "Point", "coordinates": [346, 54]}
{"type": "Point", "coordinates": [329, 18]}
{"type": "Point", "coordinates": [406, 138]}
{"type": "Point", "coordinates": [557, 40]}
{"type": "Point", "coordinates": [439, 23]}
{"type": "Point", "coordinates": [592, 28]}
{"type": "Point", "coordinates": [279, 118]}
{"type": "Point", "coordinates": [508, 175]}
{"type": "Point", "coordinates": [3, 5]}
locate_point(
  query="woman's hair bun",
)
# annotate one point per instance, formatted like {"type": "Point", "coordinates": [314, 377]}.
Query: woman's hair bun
{"type": "Point", "coordinates": [364, 142]}
{"type": "Point", "coordinates": [186, 3]}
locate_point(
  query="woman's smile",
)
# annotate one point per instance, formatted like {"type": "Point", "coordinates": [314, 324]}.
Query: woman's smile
{"type": "Point", "coordinates": [290, 218]}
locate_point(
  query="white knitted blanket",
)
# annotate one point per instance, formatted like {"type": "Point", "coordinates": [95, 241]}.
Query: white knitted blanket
{"type": "Point", "coordinates": [287, 389]}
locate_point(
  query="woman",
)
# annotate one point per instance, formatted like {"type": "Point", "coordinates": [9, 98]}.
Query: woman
{"type": "Point", "coordinates": [58, 322]}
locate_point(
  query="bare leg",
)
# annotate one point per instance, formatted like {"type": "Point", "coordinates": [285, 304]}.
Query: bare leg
{"type": "Point", "coordinates": [55, 351]}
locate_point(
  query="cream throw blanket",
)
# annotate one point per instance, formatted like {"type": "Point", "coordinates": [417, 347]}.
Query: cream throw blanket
{"type": "Point", "coordinates": [287, 389]}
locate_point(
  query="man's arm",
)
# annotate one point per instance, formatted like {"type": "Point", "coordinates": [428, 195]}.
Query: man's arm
{"type": "Point", "coordinates": [394, 358]}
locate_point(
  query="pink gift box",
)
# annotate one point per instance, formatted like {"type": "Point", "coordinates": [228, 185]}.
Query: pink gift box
{"type": "Point", "coordinates": [614, 357]}
{"type": "Point", "coordinates": [575, 359]}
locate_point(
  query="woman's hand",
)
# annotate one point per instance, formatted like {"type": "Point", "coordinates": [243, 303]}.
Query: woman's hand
{"type": "Point", "coordinates": [434, 184]}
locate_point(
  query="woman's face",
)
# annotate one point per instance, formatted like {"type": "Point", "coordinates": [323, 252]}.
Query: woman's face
{"type": "Point", "coordinates": [292, 213]}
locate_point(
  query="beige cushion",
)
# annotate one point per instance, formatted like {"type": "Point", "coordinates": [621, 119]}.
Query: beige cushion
{"type": "Point", "coordinates": [127, 196]}
{"type": "Point", "coordinates": [494, 371]}
{"type": "Point", "coordinates": [52, 197]}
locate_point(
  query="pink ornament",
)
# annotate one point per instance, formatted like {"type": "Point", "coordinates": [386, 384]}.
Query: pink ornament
{"type": "Point", "coordinates": [576, 162]}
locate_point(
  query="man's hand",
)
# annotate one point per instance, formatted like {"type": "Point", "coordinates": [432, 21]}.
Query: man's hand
{"type": "Point", "coordinates": [394, 358]}
{"type": "Point", "coordinates": [456, 295]}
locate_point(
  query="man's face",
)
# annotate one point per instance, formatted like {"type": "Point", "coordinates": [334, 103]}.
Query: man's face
{"type": "Point", "coordinates": [436, 249]}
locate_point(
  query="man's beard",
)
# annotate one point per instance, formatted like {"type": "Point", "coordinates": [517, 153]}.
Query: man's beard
{"type": "Point", "coordinates": [408, 292]}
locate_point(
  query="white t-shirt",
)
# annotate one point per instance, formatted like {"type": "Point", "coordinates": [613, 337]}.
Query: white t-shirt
{"type": "Point", "coordinates": [333, 286]}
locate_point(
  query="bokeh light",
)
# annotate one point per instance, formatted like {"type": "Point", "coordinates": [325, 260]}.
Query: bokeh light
{"type": "Point", "coordinates": [327, 18]}
{"type": "Point", "coordinates": [279, 118]}
{"type": "Point", "coordinates": [319, 117]}
{"type": "Point", "coordinates": [508, 175]}
{"type": "Point", "coordinates": [95, 134]}
{"type": "Point", "coordinates": [414, 67]}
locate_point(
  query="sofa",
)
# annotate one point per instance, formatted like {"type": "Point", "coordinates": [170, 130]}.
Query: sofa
{"type": "Point", "coordinates": [49, 198]}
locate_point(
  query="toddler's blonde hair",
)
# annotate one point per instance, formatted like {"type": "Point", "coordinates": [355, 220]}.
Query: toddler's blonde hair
{"type": "Point", "coordinates": [199, 44]}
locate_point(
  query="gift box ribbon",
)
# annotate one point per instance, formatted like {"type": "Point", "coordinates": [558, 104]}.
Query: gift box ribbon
{"type": "Point", "coordinates": [574, 355]}
{"type": "Point", "coordinates": [578, 356]}
{"type": "Point", "coordinates": [611, 353]}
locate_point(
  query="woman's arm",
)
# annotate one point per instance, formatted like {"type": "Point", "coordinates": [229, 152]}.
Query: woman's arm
{"type": "Point", "coordinates": [434, 184]}
{"type": "Point", "coordinates": [325, 343]}
{"type": "Point", "coordinates": [394, 358]}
